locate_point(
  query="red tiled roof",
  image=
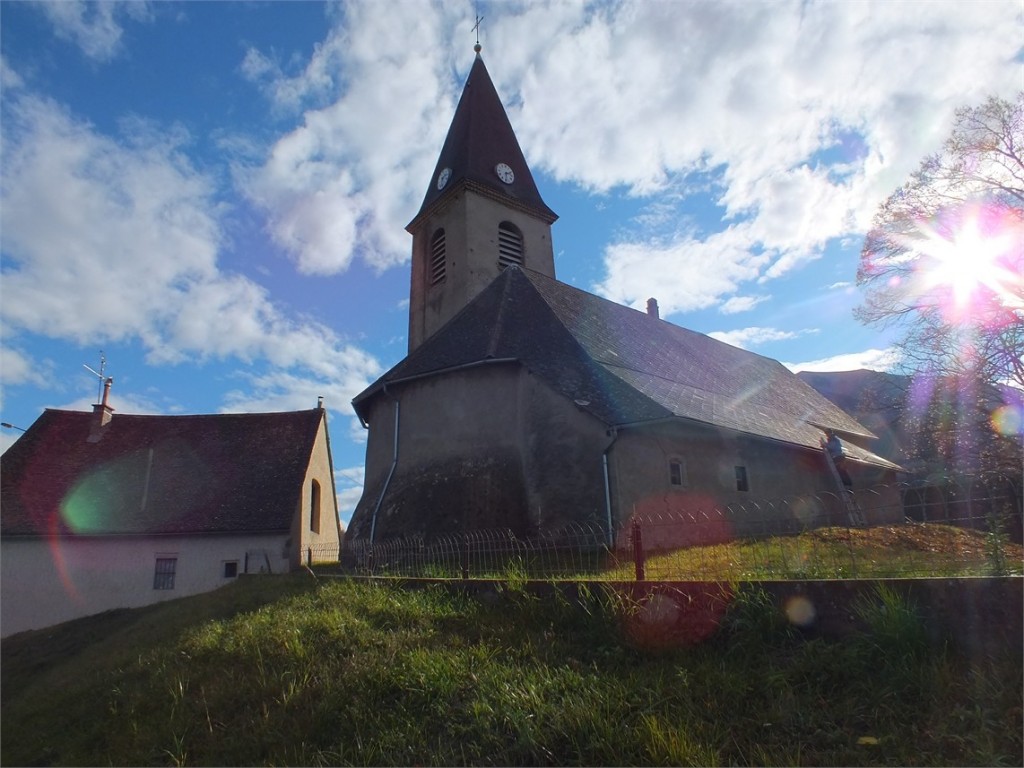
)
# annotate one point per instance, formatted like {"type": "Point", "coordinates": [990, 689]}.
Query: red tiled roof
{"type": "Point", "coordinates": [225, 473]}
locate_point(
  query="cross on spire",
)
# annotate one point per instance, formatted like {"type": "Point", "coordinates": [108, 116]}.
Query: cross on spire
{"type": "Point", "coordinates": [476, 28]}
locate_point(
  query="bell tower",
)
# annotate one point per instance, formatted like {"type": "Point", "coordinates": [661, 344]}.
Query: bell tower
{"type": "Point", "coordinates": [482, 212]}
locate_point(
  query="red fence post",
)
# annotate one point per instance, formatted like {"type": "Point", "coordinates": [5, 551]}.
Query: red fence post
{"type": "Point", "coordinates": [638, 551]}
{"type": "Point", "coordinates": [309, 557]}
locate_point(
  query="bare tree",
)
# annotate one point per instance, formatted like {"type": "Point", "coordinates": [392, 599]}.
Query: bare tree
{"type": "Point", "coordinates": [944, 259]}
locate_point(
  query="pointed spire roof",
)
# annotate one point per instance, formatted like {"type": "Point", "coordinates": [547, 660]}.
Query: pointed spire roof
{"type": "Point", "coordinates": [479, 138]}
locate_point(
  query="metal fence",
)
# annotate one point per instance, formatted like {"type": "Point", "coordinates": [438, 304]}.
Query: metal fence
{"type": "Point", "coordinates": [945, 527]}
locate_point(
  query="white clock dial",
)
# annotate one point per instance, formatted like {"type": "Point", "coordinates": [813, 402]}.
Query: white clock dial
{"type": "Point", "coordinates": [504, 173]}
{"type": "Point", "coordinates": [443, 176]}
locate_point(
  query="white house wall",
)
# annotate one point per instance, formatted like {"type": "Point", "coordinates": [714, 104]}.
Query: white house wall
{"type": "Point", "coordinates": [46, 582]}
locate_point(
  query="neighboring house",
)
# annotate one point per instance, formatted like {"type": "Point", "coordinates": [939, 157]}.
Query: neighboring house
{"type": "Point", "coordinates": [100, 511]}
{"type": "Point", "coordinates": [528, 404]}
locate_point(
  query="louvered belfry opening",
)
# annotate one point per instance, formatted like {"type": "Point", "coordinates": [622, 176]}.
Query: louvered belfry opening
{"type": "Point", "coordinates": [438, 263]}
{"type": "Point", "coordinates": [510, 245]}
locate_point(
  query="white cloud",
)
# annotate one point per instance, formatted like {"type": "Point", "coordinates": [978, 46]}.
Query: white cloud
{"type": "Point", "coordinates": [871, 359]}
{"type": "Point", "coordinates": [281, 390]}
{"type": "Point", "coordinates": [684, 273]}
{"type": "Point", "coordinates": [640, 94]}
{"type": "Point", "coordinates": [9, 79]}
{"type": "Point", "coordinates": [754, 336]}
{"type": "Point", "coordinates": [118, 240]}
{"type": "Point", "coordinates": [349, 482]}
{"type": "Point", "coordinates": [95, 27]}
{"type": "Point", "coordinates": [18, 368]}
{"type": "Point", "coordinates": [737, 304]}
{"type": "Point", "coordinates": [122, 403]}
{"type": "Point", "coordinates": [97, 235]}
{"type": "Point", "coordinates": [805, 116]}
{"type": "Point", "coordinates": [286, 390]}
{"type": "Point", "coordinates": [344, 183]}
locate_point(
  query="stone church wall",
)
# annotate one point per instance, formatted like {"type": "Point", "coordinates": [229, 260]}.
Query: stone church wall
{"type": "Point", "coordinates": [714, 465]}
{"type": "Point", "coordinates": [459, 459]}
{"type": "Point", "coordinates": [514, 454]}
{"type": "Point", "coordinates": [494, 446]}
{"type": "Point", "coordinates": [563, 447]}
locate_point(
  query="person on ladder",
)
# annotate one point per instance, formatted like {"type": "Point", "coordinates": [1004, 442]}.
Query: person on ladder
{"type": "Point", "coordinates": [835, 449]}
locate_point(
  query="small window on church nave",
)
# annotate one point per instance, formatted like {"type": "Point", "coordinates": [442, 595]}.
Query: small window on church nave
{"type": "Point", "coordinates": [438, 264]}
{"type": "Point", "coordinates": [676, 471]}
{"type": "Point", "coordinates": [510, 245]}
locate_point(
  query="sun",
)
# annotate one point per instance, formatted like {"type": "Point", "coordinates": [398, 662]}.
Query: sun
{"type": "Point", "coordinates": [975, 267]}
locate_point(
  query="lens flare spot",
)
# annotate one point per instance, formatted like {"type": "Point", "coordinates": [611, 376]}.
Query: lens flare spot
{"type": "Point", "coordinates": [807, 509]}
{"type": "Point", "coordinates": [1008, 420]}
{"type": "Point", "coordinates": [800, 611]}
{"type": "Point", "coordinates": [111, 497]}
{"type": "Point", "coordinates": [89, 503]}
{"type": "Point", "coordinates": [673, 615]}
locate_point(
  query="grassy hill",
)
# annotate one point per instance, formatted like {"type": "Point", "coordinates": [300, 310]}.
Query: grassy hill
{"type": "Point", "coordinates": [298, 671]}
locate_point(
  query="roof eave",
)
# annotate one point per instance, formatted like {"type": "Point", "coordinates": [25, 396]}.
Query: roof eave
{"type": "Point", "coordinates": [544, 213]}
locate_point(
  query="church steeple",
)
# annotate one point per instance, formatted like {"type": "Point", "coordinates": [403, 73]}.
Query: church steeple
{"type": "Point", "coordinates": [480, 140]}
{"type": "Point", "coordinates": [482, 212]}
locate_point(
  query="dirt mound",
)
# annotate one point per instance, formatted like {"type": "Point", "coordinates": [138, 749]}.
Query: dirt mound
{"type": "Point", "coordinates": [941, 539]}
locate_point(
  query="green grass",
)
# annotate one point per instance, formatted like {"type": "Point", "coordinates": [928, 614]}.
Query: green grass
{"type": "Point", "coordinates": [890, 551]}
{"type": "Point", "coordinates": [843, 553]}
{"type": "Point", "coordinates": [297, 671]}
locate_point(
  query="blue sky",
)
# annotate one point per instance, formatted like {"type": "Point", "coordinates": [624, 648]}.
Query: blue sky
{"type": "Point", "coordinates": [215, 194]}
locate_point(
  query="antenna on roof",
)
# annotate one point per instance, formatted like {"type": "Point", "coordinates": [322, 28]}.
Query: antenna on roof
{"type": "Point", "coordinates": [476, 28]}
{"type": "Point", "coordinates": [99, 373]}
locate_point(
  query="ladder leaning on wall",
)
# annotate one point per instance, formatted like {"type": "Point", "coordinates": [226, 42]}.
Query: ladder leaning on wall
{"type": "Point", "coordinates": [853, 510]}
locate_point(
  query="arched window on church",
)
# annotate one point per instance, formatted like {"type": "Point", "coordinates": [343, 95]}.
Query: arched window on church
{"type": "Point", "coordinates": [510, 245]}
{"type": "Point", "coordinates": [314, 507]}
{"type": "Point", "coordinates": [438, 264]}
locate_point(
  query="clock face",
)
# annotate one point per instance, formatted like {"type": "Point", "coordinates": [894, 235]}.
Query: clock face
{"type": "Point", "coordinates": [504, 173]}
{"type": "Point", "coordinates": [443, 176]}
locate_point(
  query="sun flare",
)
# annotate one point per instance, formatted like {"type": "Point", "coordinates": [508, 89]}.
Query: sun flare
{"type": "Point", "coordinates": [974, 268]}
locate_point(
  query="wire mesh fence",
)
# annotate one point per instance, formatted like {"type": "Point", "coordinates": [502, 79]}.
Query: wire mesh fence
{"type": "Point", "coordinates": [946, 527]}
{"type": "Point", "coordinates": [495, 553]}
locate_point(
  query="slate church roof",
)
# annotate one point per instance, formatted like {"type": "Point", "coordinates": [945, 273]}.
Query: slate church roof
{"type": "Point", "coordinates": [224, 473]}
{"type": "Point", "coordinates": [480, 136]}
{"type": "Point", "coordinates": [624, 366]}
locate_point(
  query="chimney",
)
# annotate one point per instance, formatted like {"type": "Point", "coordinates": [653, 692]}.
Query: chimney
{"type": "Point", "coordinates": [320, 403]}
{"type": "Point", "coordinates": [102, 413]}
{"type": "Point", "coordinates": [652, 308]}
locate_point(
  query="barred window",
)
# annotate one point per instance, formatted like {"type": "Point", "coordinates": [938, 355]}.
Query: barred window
{"type": "Point", "coordinates": [510, 245]}
{"type": "Point", "coordinates": [438, 263]}
{"type": "Point", "coordinates": [163, 578]}
{"type": "Point", "coordinates": [230, 569]}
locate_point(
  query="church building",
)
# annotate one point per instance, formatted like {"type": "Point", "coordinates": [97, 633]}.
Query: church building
{"type": "Point", "coordinates": [527, 404]}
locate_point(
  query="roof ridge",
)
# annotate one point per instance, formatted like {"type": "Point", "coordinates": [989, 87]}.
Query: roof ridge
{"type": "Point", "coordinates": [499, 322]}
{"type": "Point", "coordinates": [123, 415]}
